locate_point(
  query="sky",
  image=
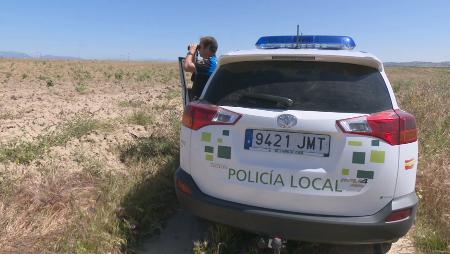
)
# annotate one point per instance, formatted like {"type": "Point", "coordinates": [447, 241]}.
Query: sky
{"type": "Point", "coordinates": [400, 30]}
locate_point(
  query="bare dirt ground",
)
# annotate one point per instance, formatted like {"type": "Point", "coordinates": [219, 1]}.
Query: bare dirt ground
{"type": "Point", "coordinates": [30, 107]}
{"type": "Point", "coordinates": [403, 246]}
{"type": "Point", "coordinates": [62, 124]}
{"type": "Point", "coordinates": [36, 96]}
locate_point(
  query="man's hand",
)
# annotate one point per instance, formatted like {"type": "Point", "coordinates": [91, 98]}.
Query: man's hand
{"type": "Point", "coordinates": [189, 65]}
{"type": "Point", "coordinates": [192, 48]}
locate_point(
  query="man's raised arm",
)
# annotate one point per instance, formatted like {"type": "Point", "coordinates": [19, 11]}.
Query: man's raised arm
{"type": "Point", "coordinates": [189, 65]}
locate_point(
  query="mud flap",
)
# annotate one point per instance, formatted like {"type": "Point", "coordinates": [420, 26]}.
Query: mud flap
{"type": "Point", "coordinates": [183, 83]}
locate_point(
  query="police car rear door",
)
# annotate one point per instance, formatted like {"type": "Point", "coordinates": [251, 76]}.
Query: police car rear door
{"type": "Point", "coordinates": [183, 82]}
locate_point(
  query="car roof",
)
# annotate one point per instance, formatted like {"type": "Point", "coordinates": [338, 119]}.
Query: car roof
{"type": "Point", "coordinates": [321, 55]}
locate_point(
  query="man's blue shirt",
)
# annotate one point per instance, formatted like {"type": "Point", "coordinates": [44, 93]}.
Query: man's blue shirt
{"type": "Point", "coordinates": [206, 66]}
{"type": "Point", "coordinates": [203, 70]}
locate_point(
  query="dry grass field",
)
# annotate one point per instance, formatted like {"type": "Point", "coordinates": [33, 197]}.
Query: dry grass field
{"type": "Point", "coordinates": [88, 149]}
{"type": "Point", "coordinates": [87, 154]}
{"type": "Point", "coordinates": [425, 92]}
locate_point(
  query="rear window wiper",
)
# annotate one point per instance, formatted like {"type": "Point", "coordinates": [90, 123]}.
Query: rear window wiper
{"type": "Point", "coordinates": [279, 100]}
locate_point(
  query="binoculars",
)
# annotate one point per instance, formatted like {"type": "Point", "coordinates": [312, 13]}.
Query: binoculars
{"type": "Point", "coordinates": [198, 47]}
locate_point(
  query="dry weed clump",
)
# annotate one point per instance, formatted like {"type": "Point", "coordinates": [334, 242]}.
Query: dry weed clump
{"type": "Point", "coordinates": [39, 205]}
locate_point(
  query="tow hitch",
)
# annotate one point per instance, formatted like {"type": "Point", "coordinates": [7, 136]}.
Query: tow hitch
{"type": "Point", "coordinates": [275, 243]}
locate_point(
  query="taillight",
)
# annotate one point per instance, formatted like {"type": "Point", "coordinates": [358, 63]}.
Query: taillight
{"type": "Point", "coordinates": [184, 187]}
{"type": "Point", "coordinates": [197, 115]}
{"type": "Point", "coordinates": [393, 126]}
{"type": "Point", "coordinates": [399, 215]}
{"type": "Point", "coordinates": [408, 129]}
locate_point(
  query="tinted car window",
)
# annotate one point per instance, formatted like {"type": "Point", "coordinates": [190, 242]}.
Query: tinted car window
{"type": "Point", "coordinates": [313, 86]}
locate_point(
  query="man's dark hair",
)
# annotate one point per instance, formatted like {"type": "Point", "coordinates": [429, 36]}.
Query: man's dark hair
{"type": "Point", "coordinates": [210, 43]}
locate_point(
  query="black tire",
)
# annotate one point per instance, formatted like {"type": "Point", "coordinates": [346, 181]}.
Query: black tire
{"type": "Point", "coordinates": [386, 247]}
{"type": "Point", "coordinates": [382, 248]}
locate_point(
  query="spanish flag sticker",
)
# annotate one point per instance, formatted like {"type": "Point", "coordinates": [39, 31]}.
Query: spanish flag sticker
{"type": "Point", "coordinates": [409, 164]}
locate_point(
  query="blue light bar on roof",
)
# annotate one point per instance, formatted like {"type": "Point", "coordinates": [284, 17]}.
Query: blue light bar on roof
{"type": "Point", "coordinates": [306, 41]}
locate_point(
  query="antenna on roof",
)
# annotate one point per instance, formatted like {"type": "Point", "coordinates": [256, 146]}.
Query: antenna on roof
{"type": "Point", "coordinates": [298, 38]}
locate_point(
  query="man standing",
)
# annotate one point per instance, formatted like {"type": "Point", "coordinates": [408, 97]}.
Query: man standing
{"type": "Point", "coordinates": [201, 69]}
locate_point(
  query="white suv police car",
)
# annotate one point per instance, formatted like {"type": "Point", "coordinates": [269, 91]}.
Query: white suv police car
{"type": "Point", "coordinates": [301, 138]}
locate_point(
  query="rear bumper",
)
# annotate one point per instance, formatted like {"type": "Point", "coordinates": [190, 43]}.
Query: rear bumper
{"type": "Point", "coordinates": [297, 226]}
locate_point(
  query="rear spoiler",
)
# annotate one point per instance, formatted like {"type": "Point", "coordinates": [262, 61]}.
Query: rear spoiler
{"type": "Point", "coordinates": [369, 61]}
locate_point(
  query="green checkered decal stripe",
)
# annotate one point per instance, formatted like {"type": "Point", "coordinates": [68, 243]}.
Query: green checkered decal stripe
{"type": "Point", "coordinates": [209, 157]}
{"type": "Point", "coordinates": [374, 156]}
{"type": "Point", "coordinates": [354, 143]}
{"type": "Point", "coordinates": [364, 174]}
{"type": "Point", "coordinates": [345, 171]}
{"type": "Point", "coordinates": [209, 149]}
{"type": "Point", "coordinates": [224, 152]}
{"type": "Point", "coordinates": [377, 156]}
{"type": "Point", "coordinates": [206, 136]}
{"type": "Point", "coordinates": [359, 157]}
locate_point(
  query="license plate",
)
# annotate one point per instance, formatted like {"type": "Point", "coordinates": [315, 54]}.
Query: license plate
{"type": "Point", "coordinates": [287, 142]}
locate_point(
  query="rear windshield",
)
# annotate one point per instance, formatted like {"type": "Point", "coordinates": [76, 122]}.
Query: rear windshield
{"type": "Point", "coordinates": [312, 86]}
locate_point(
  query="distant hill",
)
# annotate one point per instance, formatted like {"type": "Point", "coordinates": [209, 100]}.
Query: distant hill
{"type": "Point", "coordinates": [417, 64]}
{"type": "Point", "coordinates": [52, 57]}
{"type": "Point", "coordinates": [12, 54]}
